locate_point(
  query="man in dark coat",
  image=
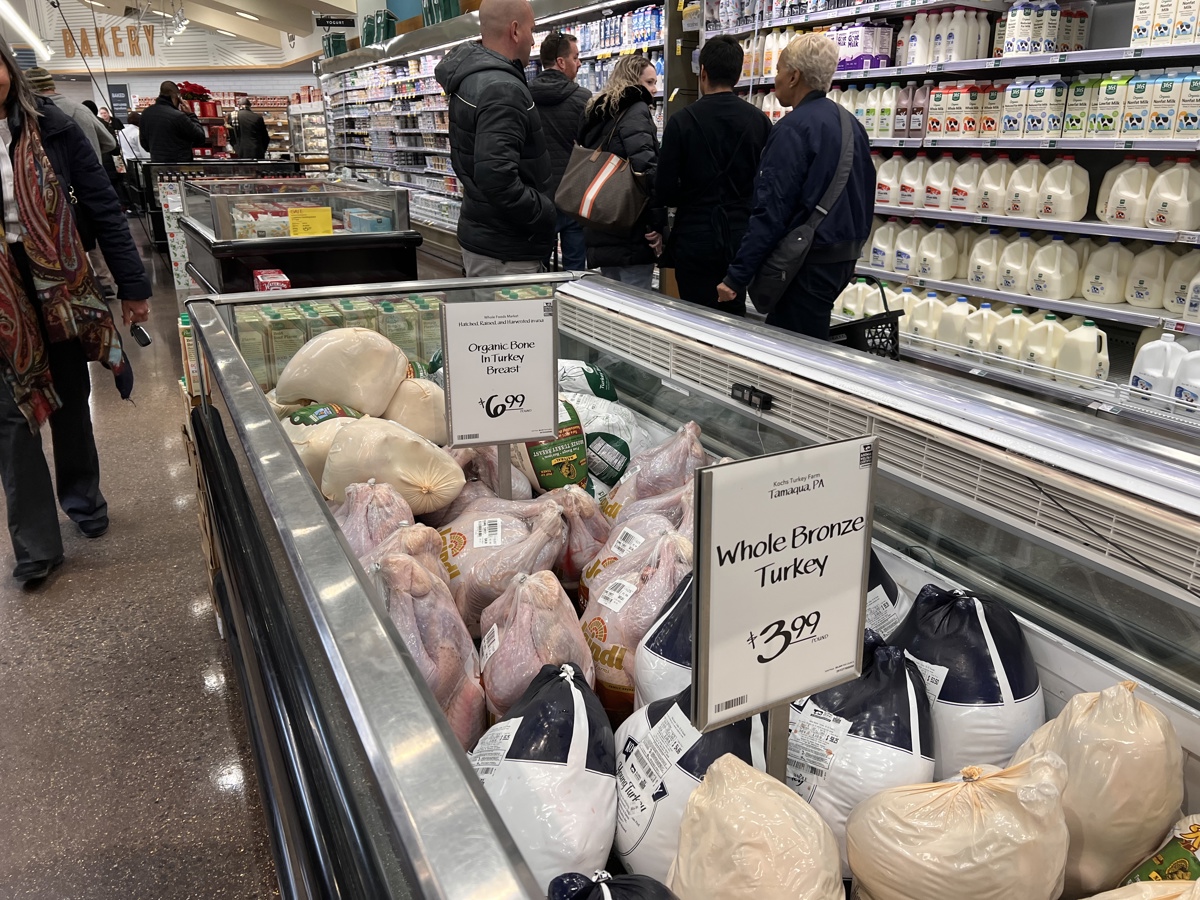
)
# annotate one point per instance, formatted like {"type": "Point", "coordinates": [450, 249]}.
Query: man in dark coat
{"type": "Point", "coordinates": [507, 224]}
{"type": "Point", "coordinates": [169, 127]}
{"type": "Point", "coordinates": [560, 103]}
{"type": "Point", "coordinates": [252, 135]}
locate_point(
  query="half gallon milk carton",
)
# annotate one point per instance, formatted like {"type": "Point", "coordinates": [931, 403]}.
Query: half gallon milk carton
{"type": "Point", "coordinates": [1080, 96]}
{"type": "Point", "coordinates": [1109, 108]}
{"type": "Point", "coordinates": [1143, 23]}
{"type": "Point", "coordinates": [1164, 22]}
{"type": "Point", "coordinates": [1185, 22]}
{"type": "Point", "coordinates": [1187, 122]}
{"type": "Point", "coordinates": [962, 111]}
{"type": "Point", "coordinates": [1139, 95]}
{"type": "Point", "coordinates": [1016, 99]}
{"type": "Point", "coordinates": [1045, 108]}
{"type": "Point", "coordinates": [991, 109]}
{"type": "Point", "coordinates": [1164, 104]}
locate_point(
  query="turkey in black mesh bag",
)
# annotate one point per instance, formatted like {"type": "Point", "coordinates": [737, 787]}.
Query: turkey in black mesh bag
{"type": "Point", "coordinates": [662, 666]}
{"type": "Point", "coordinates": [887, 602]}
{"type": "Point", "coordinates": [602, 886]}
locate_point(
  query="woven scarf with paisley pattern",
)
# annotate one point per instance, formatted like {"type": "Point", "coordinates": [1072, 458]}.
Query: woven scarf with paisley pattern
{"type": "Point", "coordinates": [68, 298]}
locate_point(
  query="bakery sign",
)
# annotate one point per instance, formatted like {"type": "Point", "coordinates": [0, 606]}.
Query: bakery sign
{"type": "Point", "coordinates": [112, 42]}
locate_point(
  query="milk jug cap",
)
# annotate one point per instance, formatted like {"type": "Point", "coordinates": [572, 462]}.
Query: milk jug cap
{"type": "Point", "coordinates": [861, 280]}
{"type": "Point", "coordinates": [1050, 317]}
{"type": "Point", "coordinates": [1088, 323]}
{"type": "Point", "coordinates": [906, 290]}
{"type": "Point", "coordinates": [1025, 234]}
{"type": "Point", "coordinates": [1017, 311]}
{"type": "Point", "coordinates": [1168, 337]}
{"type": "Point", "coordinates": [1183, 161]}
{"type": "Point", "coordinates": [941, 225]}
{"type": "Point", "coordinates": [1056, 237]}
{"type": "Point", "coordinates": [185, 319]}
{"type": "Point", "coordinates": [1114, 240]}
{"type": "Point", "coordinates": [931, 295]}
{"type": "Point", "coordinates": [962, 299]}
{"type": "Point", "coordinates": [985, 306]}
{"type": "Point", "coordinates": [993, 231]}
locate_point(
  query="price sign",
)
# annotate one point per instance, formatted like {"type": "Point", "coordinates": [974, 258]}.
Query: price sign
{"type": "Point", "coordinates": [501, 371]}
{"type": "Point", "coordinates": [307, 221]}
{"type": "Point", "coordinates": [782, 556]}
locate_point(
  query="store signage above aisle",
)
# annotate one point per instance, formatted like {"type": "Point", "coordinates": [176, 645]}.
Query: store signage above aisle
{"type": "Point", "coordinates": [337, 22]}
{"type": "Point", "coordinates": [501, 369]}
{"type": "Point", "coordinates": [782, 556]}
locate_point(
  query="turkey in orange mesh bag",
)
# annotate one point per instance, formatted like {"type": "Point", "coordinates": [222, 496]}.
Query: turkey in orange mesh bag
{"type": "Point", "coordinates": [998, 834]}
{"type": "Point", "coordinates": [658, 470]}
{"type": "Point", "coordinates": [371, 513]}
{"type": "Point", "coordinates": [624, 601]}
{"type": "Point", "coordinates": [495, 540]}
{"type": "Point", "coordinates": [1124, 785]}
{"type": "Point", "coordinates": [587, 531]}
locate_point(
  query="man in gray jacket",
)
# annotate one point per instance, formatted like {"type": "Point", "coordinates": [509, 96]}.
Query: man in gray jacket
{"type": "Point", "coordinates": [98, 136]}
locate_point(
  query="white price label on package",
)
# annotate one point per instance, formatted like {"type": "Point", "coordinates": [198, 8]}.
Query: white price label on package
{"type": "Point", "coordinates": [816, 736]}
{"type": "Point", "coordinates": [934, 675]}
{"type": "Point", "coordinates": [643, 771]}
{"type": "Point", "coordinates": [627, 541]}
{"type": "Point", "coordinates": [489, 645]}
{"type": "Point", "coordinates": [881, 612]}
{"type": "Point", "coordinates": [489, 533]}
{"type": "Point", "coordinates": [493, 747]}
{"type": "Point", "coordinates": [617, 594]}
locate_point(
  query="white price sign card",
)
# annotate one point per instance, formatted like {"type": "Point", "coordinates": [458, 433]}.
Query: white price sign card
{"type": "Point", "coordinates": [783, 547]}
{"type": "Point", "coordinates": [501, 371]}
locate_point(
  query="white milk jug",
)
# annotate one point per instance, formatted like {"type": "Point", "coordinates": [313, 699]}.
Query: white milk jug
{"type": "Point", "coordinates": [925, 317]}
{"type": "Point", "coordinates": [883, 245]}
{"type": "Point", "coordinates": [993, 186]}
{"type": "Point", "coordinates": [850, 300]}
{"type": "Point", "coordinates": [912, 180]}
{"type": "Point", "coordinates": [1010, 334]}
{"type": "Point", "coordinates": [1106, 185]}
{"type": "Point", "coordinates": [1192, 313]}
{"type": "Point", "coordinates": [1065, 192]}
{"type": "Point", "coordinates": [983, 267]}
{"type": "Point", "coordinates": [1147, 279]}
{"type": "Point", "coordinates": [885, 120]}
{"type": "Point", "coordinates": [965, 238]}
{"type": "Point", "coordinates": [1130, 194]}
{"type": "Point", "coordinates": [1106, 273]}
{"type": "Point", "coordinates": [872, 304]}
{"type": "Point", "coordinates": [1014, 264]}
{"type": "Point", "coordinates": [1174, 201]}
{"type": "Point", "coordinates": [1054, 272]}
{"type": "Point", "coordinates": [907, 243]}
{"type": "Point", "coordinates": [887, 181]}
{"type": "Point", "coordinates": [1043, 343]}
{"type": "Point", "coordinates": [964, 188]}
{"type": "Point", "coordinates": [1186, 386]}
{"type": "Point", "coordinates": [1024, 188]}
{"type": "Point", "coordinates": [980, 329]}
{"type": "Point", "coordinates": [937, 255]}
{"type": "Point", "coordinates": [1084, 353]}
{"type": "Point", "coordinates": [954, 322]}
{"type": "Point", "coordinates": [938, 181]}
{"type": "Point", "coordinates": [1156, 365]}
{"type": "Point", "coordinates": [1179, 283]}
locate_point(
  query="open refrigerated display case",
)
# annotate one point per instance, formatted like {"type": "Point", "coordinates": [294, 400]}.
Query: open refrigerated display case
{"type": "Point", "coordinates": [310, 135]}
{"type": "Point", "coordinates": [1085, 528]}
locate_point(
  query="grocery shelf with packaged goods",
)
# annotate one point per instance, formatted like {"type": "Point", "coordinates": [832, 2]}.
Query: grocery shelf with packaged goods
{"type": "Point", "coordinates": [310, 135]}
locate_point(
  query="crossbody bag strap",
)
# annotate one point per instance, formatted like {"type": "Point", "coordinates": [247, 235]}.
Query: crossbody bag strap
{"type": "Point", "coordinates": [842, 174]}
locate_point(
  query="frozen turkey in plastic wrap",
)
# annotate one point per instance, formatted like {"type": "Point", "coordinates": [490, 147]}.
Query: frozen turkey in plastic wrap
{"type": "Point", "coordinates": [420, 606]}
{"type": "Point", "coordinates": [311, 429]}
{"type": "Point", "coordinates": [1176, 859]}
{"type": "Point", "coordinates": [480, 462]}
{"type": "Point", "coordinates": [661, 759]}
{"type": "Point", "coordinates": [1150, 890]}
{"type": "Point", "coordinates": [620, 543]}
{"type": "Point", "coordinates": [530, 625]}
{"type": "Point", "coordinates": [662, 666]}
{"type": "Point", "coordinates": [421, 542]}
{"type": "Point", "coordinates": [580, 377]}
{"type": "Point", "coordinates": [614, 437]}
{"type": "Point", "coordinates": [887, 602]}
{"type": "Point", "coordinates": [998, 834]}
{"type": "Point", "coordinates": [672, 505]}
{"type": "Point", "coordinates": [473, 490]}
{"type": "Point", "coordinates": [980, 675]}
{"type": "Point", "coordinates": [623, 603]}
{"type": "Point", "coordinates": [550, 770]}
{"type": "Point", "coordinates": [587, 530]}
{"type": "Point", "coordinates": [283, 410]}
{"type": "Point", "coordinates": [602, 886]}
{"type": "Point", "coordinates": [420, 405]}
{"type": "Point", "coordinates": [856, 739]}
{"type": "Point", "coordinates": [1124, 783]}
{"type": "Point", "coordinates": [370, 514]}
{"type": "Point", "coordinates": [659, 469]}
{"type": "Point", "coordinates": [495, 540]}
{"type": "Point", "coordinates": [421, 471]}
{"type": "Point", "coordinates": [745, 835]}
{"type": "Point", "coordinates": [356, 367]}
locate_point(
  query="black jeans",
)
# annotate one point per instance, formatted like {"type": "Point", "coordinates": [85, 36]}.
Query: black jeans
{"type": "Point", "coordinates": [807, 304]}
{"type": "Point", "coordinates": [698, 280]}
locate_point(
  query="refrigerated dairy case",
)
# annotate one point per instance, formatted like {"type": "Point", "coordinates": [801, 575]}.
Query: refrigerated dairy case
{"type": "Point", "coordinates": [1088, 530]}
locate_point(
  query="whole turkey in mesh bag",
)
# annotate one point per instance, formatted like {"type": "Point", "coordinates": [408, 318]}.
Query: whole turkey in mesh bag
{"type": "Point", "coordinates": [420, 606]}
{"type": "Point", "coordinates": [421, 542]}
{"type": "Point", "coordinates": [998, 834]}
{"type": "Point", "coordinates": [357, 367]}
{"type": "Point", "coordinates": [1124, 785]}
{"type": "Point", "coordinates": [493, 541]}
{"type": "Point", "coordinates": [672, 505]}
{"type": "Point", "coordinates": [659, 469]}
{"type": "Point", "coordinates": [623, 603]}
{"type": "Point", "coordinates": [1172, 890]}
{"type": "Point", "coordinates": [530, 625]}
{"type": "Point", "coordinates": [550, 770]}
{"type": "Point", "coordinates": [661, 759]}
{"type": "Point", "coordinates": [587, 531]}
{"type": "Point", "coordinates": [370, 514]}
{"type": "Point", "coordinates": [746, 835]}
{"type": "Point", "coordinates": [602, 886]}
{"type": "Point", "coordinates": [473, 490]}
{"type": "Point", "coordinates": [578, 376]}
{"type": "Point", "coordinates": [1176, 859]}
{"type": "Point", "coordinates": [480, 462]}
{"type": "Point", "coordinates": [662, 666]}
{"type": "Point", "coordinates": [311, 429]}
{"type": "Point", "coordinates": [420, 405]}
{"type": "Point", "coordinates": [852, 741]}
{"type": "Point", "coordinates": [619, 544]}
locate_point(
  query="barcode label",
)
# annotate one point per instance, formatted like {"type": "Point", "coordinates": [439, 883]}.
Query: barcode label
{"type": "Point", "coordinates": [608, 453]}
{"type": "Point", "coordinates": [816, 736]}
{"type": "Point", "coordinates": [488, 533]}
{"type": "Point", "coordinates": [468, 437]}
{"type": "Point", "coordinates": [617, 594]}
{"type": "Point", "coordinates": [881, 614]}
{"type": "Point", "coordinates": [627, 541]}
{"type": "Point", "coordinates": [493, 747]}
{"type": "Point", "coordinates": [489, 645]}
{"type": "Point", "coordinates": [730, 704]}
{"type": "Point", "coordinates": [934, 675]}
{"type": "Point", "coordinates": [796, 765]}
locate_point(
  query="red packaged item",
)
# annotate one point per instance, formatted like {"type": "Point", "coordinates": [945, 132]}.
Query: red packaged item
{"type": "Point", "coordinates": [271, 280]}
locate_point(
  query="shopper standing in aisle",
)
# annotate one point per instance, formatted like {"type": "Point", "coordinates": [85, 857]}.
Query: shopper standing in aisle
{"type": "Point", "coordinates": [497, 147]}
{"type": "Point", "coordinates": [169, 127]}
{"type": "Point", "coordinates": [53, 319]}
{"type": "Point", "coordinates": [252, 134]}
{"type": "Point", "coordinates": [798, 165]}
{"type": "Point", "coordinates": [710, 154]}
{"type": "Point", "coordinates": [619, 122]}
{"type": "Point", "coordinates": [130, 138]}
{"type": "Point", "coordinates": [561, 102]}
{"type": "Point", "coordinates": [114, 162]}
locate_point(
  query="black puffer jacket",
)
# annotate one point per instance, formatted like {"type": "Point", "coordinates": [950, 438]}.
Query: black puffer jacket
{"type": "Point", "coordinates": [169, 134]}
{"type": "Point", "coordinates": [499, 153]}
{"type": "Point", "coordinates": [634, 138]}
{"type": "Point", "coordinates": [560, 103]}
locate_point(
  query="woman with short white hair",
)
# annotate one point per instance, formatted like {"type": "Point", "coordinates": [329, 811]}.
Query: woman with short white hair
{"type": "Point", "coordinates": [798, 165]}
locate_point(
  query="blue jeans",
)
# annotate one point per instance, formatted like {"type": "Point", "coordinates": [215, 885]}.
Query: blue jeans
{"type": "Point", "coordinates": [637, 276]}
{"type": "Point", "coordinates": [574, 250]}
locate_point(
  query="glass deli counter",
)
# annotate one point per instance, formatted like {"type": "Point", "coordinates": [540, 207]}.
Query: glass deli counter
{"type": "Point", "coordinates": [1086, 529]}
{"type": "Point", "coordinates": [314, 231]}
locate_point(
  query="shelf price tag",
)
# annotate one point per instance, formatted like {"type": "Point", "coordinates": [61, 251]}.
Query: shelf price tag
{"type": "Point", "coordinates": [308, 221]}
{"type": "Point", "coordinates": [1174, 325]}
{"type": "Point", "coordinates": [782, 556]}
{"type": "Point", "coordinates": [604, 55]}
{"type": "Point", "coordinates": [1189, 237]}
{"type": "Point", "coordinates": [1048, 144]}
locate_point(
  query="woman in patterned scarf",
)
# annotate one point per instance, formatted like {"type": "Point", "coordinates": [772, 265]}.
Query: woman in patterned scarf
{"type": "Point", "coordinates": [53, 319]}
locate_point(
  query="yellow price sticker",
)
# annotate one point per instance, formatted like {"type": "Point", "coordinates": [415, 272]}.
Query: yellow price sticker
{"type": "Point", "coordinates": [307, 221]}
{"type": "Point", "coordinates": [603, 55]}
{"type": "Point", "coordinates": [628, 51]}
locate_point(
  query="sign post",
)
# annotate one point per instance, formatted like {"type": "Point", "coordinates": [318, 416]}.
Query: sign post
{"type": "Point", "coordinates": [783, 546]}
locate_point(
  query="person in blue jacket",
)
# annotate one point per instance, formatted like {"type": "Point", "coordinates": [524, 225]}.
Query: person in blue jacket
{"type": "Point", "coordinates": [797, 166]}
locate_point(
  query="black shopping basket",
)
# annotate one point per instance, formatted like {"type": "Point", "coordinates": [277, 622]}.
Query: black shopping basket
{"type": "Point", "coordinates": [878, 334]}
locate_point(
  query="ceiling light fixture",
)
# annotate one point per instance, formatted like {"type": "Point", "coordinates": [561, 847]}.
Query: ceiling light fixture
{"type": "Point", "coordinates": [93, 3]}
{"type": "Point", "coordinates": [226, 33]}
{"type": "Point", "coordinates": [246, 15]}
{"type": "Point", "coordinates": [21, 27]}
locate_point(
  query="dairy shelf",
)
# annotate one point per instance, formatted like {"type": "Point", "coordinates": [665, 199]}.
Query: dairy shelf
{"type": "Point", "coordinates": [1052, 226]}
{"type": "Point", "coordinates": [622, 51]}
{"type": "Point", "coordinates": [848, 13]}
{"type": "Point", "coordinates": [1189, 145]}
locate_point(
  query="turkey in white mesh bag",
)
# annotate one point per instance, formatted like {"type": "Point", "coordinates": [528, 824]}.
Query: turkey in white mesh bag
{"type": "Point", "coordinates": [420, 404]}
{"type": "Point", "coordinates": [357, 367]}
{"type": "Point", "coordinates": [473, 490]}
{"type": "Point", "coordinates": [659, 469]}
{"type": "Point", "coordinates": [1149, 890]}
{"type": "Point", "coordinates": [624, 601]}
{"type": "Point", "coordinates": [420, 606]}
{"type": "Point", "coordinates": [370, 514]}
{"type": "Point", "coordinates": [662, 666]}
{"type": "Point", "coordinates": [620, 543]}
{"type": "Point", "coordinates": [587, 531]}
{"type": "Point", "coordinates": [421, 542]}
{"type": "Point", "coordinates": [493, 541]}
{"type": "Point", "coordinates": [532, 624]}
{"type": "Point", "coordinates": [480, 462]}
{"type": "Point", "coordinates": [311, 429]}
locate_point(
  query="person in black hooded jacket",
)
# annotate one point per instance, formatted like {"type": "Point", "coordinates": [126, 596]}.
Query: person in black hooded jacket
{"type": "Point", "coordinates": [497, 146]}
{"type": "Point", "coordinates": [619, 122]}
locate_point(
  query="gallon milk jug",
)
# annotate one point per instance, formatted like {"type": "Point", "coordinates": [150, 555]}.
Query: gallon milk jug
{"type": "Point", "coordinates": [1054, 272]}
{"type": "Point", "coordinates": [1156, 365]}
{"type": "Point", "coordinates": [980, 329]}
{"type": "Point", "coordinates": [1174, 201]}
{"type": "Point", "coordinates": [919, 40]}
{"type": "Point", "coordinates": [885, 121]}
{"type": "Point", "coordinates": [907, 243]}
{"type": "Point", "coordinates": [1106, 273]}
{"type": "Point", "coordinates": [937, 255]}
{"type": "Point", "coordinates": [1043, 343]}
{"type": "Point", "coordinates": [953, 323]}
{"type": "Point", "coordinates": [1024, 188]}
{"type": "Point", "coordinates": [1084, 353]}
{"type": "Point", "coordinates": [907, 300]}
{"type": "Point", "coordinates": [1015, 262]}
{"type": "Point", "coordinates": [938, 51]}
{"type": "Point", "coordinates": [993, 186]}
{"type": "Point", "coordinates": [872, 304]}
{"type": "Point", "coordinates": [938, 180]}
{"type": "Point", "coordinates": [912, 180]}
{"type": "Point", "coordinates": [1186, 386]}
{"type": "Point", "coordinates": [965, 238]}
{"type": "Point", "coordinates": [1010, 334]}
{"type": "Point", "coordinates": [1179, 281]}
{"type": "Point", "coordinates": [903, 105]}
{"type": "Point", "coordinates": [925, 317]}
{"type": "Point", "coordinates": [918, 109]}
{"type": "Point", "coordinates": [871, 111]}
{"type": "Point", "coordinates": [964, 188]}
{"type": "Point", "coordinates": [958, 37]}
{"type": "Point", "coordinates": [1106, 185]}
{"type": "Point", "coordinates": [1130, 194]}
{"type": "Point", "coordinates": [851, 300]}
{"type": "Point", "coordinates": [1192, 313]}
{"type": "Point", "coordinates": [1065, 192]}
{"type": "Point", "coordinates": [883, 245]}
{"type": "Point", "coordinates": [1148, 277]}
{"type": "Point", "coordinates": [983, 268]}
{"type": "Point", "coordinates": [876, 161]}
{"type": "Point", "coordinates": [887, 181]}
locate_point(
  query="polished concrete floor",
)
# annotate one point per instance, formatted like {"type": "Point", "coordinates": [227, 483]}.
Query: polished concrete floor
{"type": "Point", "coordinates": [125, 770]}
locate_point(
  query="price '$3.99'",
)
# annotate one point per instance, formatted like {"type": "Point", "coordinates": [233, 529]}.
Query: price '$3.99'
{"type": "Point", "coordinates": [779, 635]}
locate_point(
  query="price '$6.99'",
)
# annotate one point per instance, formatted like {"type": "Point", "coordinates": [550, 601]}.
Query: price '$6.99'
{"type": "Point", "coordinates": [777, 636]}
{"type": "Point", "coordinates": [495, 407]}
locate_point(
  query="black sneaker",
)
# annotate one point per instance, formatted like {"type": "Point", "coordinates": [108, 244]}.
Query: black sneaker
{"type": "Point", "coordinates": [32, 573]}
{"type": "Point", "coordinates": [94, 529]}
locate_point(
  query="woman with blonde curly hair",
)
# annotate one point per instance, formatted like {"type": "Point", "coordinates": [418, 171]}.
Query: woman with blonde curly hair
{"type": "Point", "coordinates": [618, 120]}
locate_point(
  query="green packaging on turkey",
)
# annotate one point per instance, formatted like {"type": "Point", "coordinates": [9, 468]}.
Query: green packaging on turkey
{"type": "Point", "coordinates": [580, 377]}
{"type": "Point", "coordinates": [560, 461]}
{"type": "Point", "coordinates": [1176, 860]}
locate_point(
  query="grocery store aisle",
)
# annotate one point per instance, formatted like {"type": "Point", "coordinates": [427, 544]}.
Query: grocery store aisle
{"type": "Point", "coordinates": [124, 759]}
